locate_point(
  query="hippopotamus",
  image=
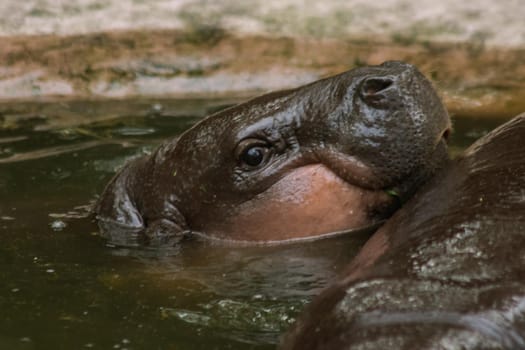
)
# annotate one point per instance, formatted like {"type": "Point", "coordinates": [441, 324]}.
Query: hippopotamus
{"type": "Point", "coordinates": [337, 155]}
{"type": "Point", "coordinates": [447, 271]}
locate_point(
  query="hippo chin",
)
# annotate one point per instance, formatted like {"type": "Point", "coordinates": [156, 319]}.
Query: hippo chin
{"type": "Point", "coordinates": [447, 271]}
{"type": "Point", "coordinates": [322, 158]}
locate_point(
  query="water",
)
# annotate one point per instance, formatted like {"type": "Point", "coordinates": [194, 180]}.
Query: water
{"type": "Point", "coordinates": [64, 287]}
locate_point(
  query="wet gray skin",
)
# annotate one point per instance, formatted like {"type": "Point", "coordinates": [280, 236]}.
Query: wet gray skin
{"type": "Point", "coordinates": [368, 131]}
{"type": "Point", "coordinates": [446, 272]}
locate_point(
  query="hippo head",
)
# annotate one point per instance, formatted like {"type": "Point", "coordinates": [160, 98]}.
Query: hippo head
{"type": "Point", "coordinates": [338, 154]}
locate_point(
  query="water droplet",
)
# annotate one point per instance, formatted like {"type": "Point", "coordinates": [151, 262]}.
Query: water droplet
{"type": "Point", "coordinates": [50, 271]}
{"type": "Point", "coordinates": [58, 225]}
{"type": "Point", "coordinates": [157, 107]}
{"type": "Point", "coordinates": [258, 297]}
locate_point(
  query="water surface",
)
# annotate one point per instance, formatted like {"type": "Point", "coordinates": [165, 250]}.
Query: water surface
{"type": "Point", "coordinates": [64, 287]}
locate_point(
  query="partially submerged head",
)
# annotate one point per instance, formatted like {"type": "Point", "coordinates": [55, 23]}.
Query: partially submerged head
{"type": "Point", "coordinates": [291, 164]}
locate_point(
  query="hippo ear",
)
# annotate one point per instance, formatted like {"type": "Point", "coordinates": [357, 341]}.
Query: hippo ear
{"type": "Point", "coordinates": [121, 220]}
{"type": "Point", "coordinates": [118, 218]}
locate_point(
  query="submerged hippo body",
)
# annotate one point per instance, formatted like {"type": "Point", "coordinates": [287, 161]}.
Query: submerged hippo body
{"type": "Point", "coordinates": [447, 271]}
{"type": "Point", "coordinates": [287, 165]}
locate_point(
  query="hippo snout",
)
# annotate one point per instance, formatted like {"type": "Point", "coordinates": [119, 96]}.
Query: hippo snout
{"type": "Point", "coordinates": [396, 124]}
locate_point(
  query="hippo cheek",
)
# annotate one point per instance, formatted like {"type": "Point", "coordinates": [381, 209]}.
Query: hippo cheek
{"type": "Point", "coordinates": [308, 202]}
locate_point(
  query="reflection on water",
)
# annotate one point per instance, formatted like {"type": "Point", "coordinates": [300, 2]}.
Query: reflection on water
{"type": "Point", "coordinates": [63, 285]}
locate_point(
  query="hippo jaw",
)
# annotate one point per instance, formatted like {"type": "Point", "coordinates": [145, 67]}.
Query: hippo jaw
{"type": "Point", "coordinates": [308, 202]}
{"type": "Point", "coordinates": [289, 165]}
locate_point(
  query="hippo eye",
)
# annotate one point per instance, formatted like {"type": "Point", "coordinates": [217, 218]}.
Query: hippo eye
{"type": "Point", "coordinates": [252, 153]}
{"type": "Point", "coordinates": [253, 156]}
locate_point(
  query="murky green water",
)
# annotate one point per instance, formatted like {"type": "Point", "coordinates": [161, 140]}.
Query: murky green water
{"type": "Point", "coordinates": [63, 287]}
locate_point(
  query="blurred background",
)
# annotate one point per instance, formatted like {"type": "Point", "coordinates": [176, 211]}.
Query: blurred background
{"type": "Point", "coordinates": [473, 51]}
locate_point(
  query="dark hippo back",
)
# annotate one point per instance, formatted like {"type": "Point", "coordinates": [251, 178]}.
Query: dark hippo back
{"type": "Point", "coordinates": [448, 270]}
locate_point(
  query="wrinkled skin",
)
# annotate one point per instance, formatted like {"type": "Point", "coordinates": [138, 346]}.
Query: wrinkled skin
{"type": "Point", "coordinates": [446, 272]}
{"type": "Point", "coordinates": [288, 165]}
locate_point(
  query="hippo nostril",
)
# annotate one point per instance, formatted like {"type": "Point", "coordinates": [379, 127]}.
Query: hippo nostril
{"type": "Point", "coordinates": [372, 86]}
